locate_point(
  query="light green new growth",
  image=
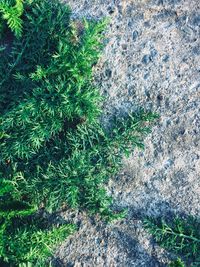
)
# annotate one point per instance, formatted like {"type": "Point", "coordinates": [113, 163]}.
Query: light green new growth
{"type": "Point", "coordinates": [12, 13]}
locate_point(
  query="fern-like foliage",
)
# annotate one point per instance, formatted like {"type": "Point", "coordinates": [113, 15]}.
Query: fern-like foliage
{"type": "Point", "coordinates": [23, 235]}
{"type": "Point", "coordinates": [53, 148]}
{"type": "Point", "coordinates": [54, 152]}
{"type": "Point", "coordinates": [74, 169]}
{"type": "Point", "coordinates": [26, 240]}
{"type": "Point", "coordinates": [12, 15]}
{"type": "Point", "coordinates": [180, 236]}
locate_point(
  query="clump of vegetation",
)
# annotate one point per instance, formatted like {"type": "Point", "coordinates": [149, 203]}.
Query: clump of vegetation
{"type": "Point", "coordinates": [180, 236]}
{"type": "Point", "coordinates": [54, 151]}
{"type": "Point", "coordinates": [24, 236]}
{"type": "Point", "coordinates": [29, 242]}
{"type": "Point", "coordinates": [53, 148]}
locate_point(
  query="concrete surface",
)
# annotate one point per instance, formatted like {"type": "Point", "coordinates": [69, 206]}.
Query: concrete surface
{"type": "Point", "coordinates": [151, 59]}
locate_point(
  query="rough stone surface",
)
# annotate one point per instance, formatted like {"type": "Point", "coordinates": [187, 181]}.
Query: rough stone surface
{"type": "Point", "coordinates": [151, 59]}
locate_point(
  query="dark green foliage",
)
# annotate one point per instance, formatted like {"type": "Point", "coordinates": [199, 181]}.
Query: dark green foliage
{"type": "Point", "coordinates": [74, 169]}
{"type": "Point", "coordinates": [53, 149]}
{"type": "Point", "coordinates": [54, 152]}
{"type": "Point", "coordinates": [23, 235]}
{"type": "Point", "coordinates": [10, 205]}
{"type": "Point", "coordinates": [180, 236]}
{"type": "Point", "coordinates": [23, 240]}
{"type": "Point", "coordinates": [54, 89]}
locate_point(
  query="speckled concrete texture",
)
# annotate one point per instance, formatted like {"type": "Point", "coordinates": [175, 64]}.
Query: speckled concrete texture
{"type": "Point", "coordinates": [152, 60]}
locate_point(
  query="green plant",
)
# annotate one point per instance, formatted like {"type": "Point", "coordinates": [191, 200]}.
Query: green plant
{"type": "Point", "coordinates": [177, 263]}
{"type": "Point", "coordinates": [29, 264]}
{"type": "Point", "coordinates": [12, 13]}
{"type": "Point", "coordinates": [23, 240]}
{"type": "Point", "coordinates": [74, 169]}
{"type": "Point", "coordinates": [53, 149]}
{"type": "Point", "coordinates": [55, 153]}
{"type": "Point", "coordinates": [23, 235]}
{"type": "Point", "coordinates": [180, 236]}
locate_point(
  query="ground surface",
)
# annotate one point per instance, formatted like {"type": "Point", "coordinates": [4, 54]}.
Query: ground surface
{"type": "Point", "coordinates": [152, 59]}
